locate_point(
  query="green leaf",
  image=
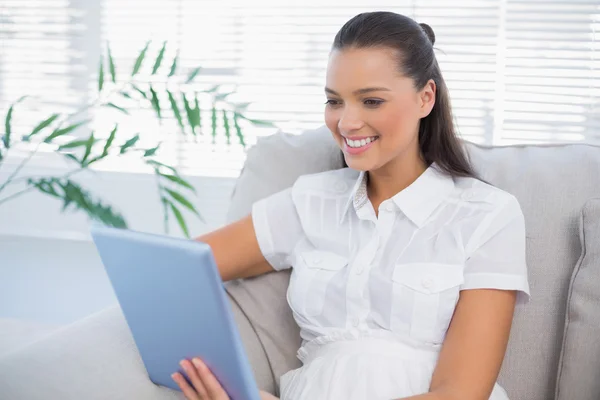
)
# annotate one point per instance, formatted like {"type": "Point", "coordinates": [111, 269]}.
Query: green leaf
{"type": "Point", "coordinates": [157, 165]}
{"type": "Point", "coordinates": [140, 91]}
{"type": "Point", "coordinates": [240, 106]}
{"type": "Point", "coordinates": [8, 123]}
{"type": "Point", "coordinates": [125, 94]}
{"type": "Point", "coordinates": [101, 75]}
{"type": "Point", "coordinates": [226, 126]}
{"type": "Point", "coordinates": [175, 109]}
{"type": "Point", "coordinates": [193, 74]}
{"type": "Point", "coordinates": [109, 141]}
{"type": "Point", "coordinates": [88, 149]}
{"type": "Point", "coordinates": [152, 151]}
{"type": "Point", "coordinates": [213, 117]}
{"type": "Point", "coordinates": [112, 105]}
{"type": "Point", "coordinates": [189, 112]}
{"type": "Point", "coordinates": [180, 219]}
{"type": "Point", "coordinates": [178, 180]}
{"type": "Point", "coordinates": [197, 114]}
{"type": "Point", "coordinates": [174, 65]}
{"type": "Point", "coordinates": [60, 132]}
{"type": "Point", "coordinates": [212, 89]}
{"type": "Point", "coordinates": [159, 59]}
{"type": "Point", "coordinates": [223, 96]}
{"type": "Point", "coordinates": [238, 129]}
{"type": "Point", "coordinates": [155, 102]}
{"type": "Point", "coordinates": [45, 186]}
{"type": "Point", "coordinates": [111, 66]}
{"type": "Point", "coordinates": [73, 144]}
{"type": "Point", "coordinates": [44, 124]}
{"type": "Point", "coordinates": [183, 201]}
{"type": "Point", "coordinates": [260, 122]}
{"type": "Point", "coordinates": [140, 60]}
{"type": "Point", "coordinates": [81, 200]}
{"type": "Point", "coordinates": [131, 142]}
{"type": "Point", "coordinates": [72, 157]}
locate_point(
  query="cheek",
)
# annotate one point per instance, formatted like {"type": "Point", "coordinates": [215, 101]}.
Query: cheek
{"type": "Point", "coordinates": [399, 121]}
{"type": "Point", "coordinates": [331, 119]}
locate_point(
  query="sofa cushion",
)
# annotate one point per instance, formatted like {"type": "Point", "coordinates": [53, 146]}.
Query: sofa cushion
{"type": "Point", "coordinates": [96, 358]}
{"type": "Point", "coordinates": [579, 367]}
{"type": "Point", "coordinates": [551, 183]}
{"type": "Point", "coordinates": [16, 333]}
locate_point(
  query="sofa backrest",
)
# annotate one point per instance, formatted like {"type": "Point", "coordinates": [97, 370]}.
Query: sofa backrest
{"type": "Point", "coordinates": [551, 183]}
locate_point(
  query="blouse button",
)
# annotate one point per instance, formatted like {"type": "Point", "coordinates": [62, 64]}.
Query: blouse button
{"type": "Point", "coordinates": [389, 207]}
{"type": "Point", "coordinates": [467, 195]}
{"type": "Point", "coordinates": [427, 282]}
{"type": "Point", "coordinates": [355, 321]}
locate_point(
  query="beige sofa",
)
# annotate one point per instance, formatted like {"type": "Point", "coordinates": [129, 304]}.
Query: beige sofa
{"type": "Point", "coordinates": [554, 350]}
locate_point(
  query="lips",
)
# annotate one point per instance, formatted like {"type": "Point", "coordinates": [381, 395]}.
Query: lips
{"type": "Point", "coordinates": [358, 145]}
{"type": "Point", "coordinates": [360, 142]}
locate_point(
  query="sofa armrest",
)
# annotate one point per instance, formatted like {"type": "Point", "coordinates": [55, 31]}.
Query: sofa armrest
{"type": "Point", "coordinates": [96, 358]}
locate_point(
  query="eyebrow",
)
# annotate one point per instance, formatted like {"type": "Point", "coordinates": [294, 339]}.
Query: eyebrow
{"type": "Point", "coordinates": [359, 91]}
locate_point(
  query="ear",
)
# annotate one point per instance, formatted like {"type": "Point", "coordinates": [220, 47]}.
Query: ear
{"type": "Point", "coordinates": [427, 98]}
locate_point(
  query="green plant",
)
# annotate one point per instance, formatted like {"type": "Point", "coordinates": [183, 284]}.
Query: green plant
{"type": "Point", "coordinates": [168, 92]}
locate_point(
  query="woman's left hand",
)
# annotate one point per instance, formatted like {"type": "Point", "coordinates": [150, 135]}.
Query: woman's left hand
{"type": "Point", "coordinates": [204, 384]}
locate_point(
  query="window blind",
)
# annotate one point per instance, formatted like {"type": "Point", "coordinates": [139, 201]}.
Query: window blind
{"type": "Point", "coordinates": [518, 70]}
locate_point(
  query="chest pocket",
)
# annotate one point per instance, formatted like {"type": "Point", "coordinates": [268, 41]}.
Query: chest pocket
{"type": "Point", "coordinates": [311, 276]}
{"type": "Point", "coordinates": [424, 298]}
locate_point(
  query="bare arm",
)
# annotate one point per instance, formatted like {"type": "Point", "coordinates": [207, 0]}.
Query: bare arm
{"type": "Point", "coordinates": [236, 250]}
{"type": "Point", "coordinates": [474, 347]}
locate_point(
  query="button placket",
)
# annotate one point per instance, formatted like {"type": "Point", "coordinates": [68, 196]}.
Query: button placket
{"type": "Point", "coordinates": [356, 304]}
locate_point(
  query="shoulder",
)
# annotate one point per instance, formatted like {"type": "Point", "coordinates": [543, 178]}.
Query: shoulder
{"type": "Point", "coordinates": [483, 198]}
{"type": "Point", "coordinates": [337, 182]}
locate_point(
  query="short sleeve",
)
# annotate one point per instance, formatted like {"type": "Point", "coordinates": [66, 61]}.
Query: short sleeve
{"type": "Point", "coordinates": [277, 227]}
{"type": "Point", "coordinates": [496, 253]}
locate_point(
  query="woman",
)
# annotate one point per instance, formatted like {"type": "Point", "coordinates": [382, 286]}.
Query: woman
{"type": "Point", "coordinates": [406, 267]}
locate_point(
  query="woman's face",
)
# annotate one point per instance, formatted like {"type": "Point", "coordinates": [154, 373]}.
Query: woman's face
{"type": "Point", "coordinates": [372, 110]}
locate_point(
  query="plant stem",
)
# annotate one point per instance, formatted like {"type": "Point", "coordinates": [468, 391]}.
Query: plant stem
{"type": "Point", "coordinates": [20, 167]}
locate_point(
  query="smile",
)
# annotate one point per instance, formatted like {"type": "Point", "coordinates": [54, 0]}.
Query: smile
{"type": "Point", "coordinates": [356, 144]}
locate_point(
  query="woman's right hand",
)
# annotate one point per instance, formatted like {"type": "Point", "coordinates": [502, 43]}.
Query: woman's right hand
{"type": "Point", "coordinates": [204, 384]}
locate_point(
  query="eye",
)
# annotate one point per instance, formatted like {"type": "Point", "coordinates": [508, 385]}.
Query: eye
{"type": "Point", "coordinates": [332, 103]}
{"type": "Point", "coordinates": [373, 102]}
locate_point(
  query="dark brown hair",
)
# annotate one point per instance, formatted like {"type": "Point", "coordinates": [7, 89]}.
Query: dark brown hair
{"type": "Point", "coordinates": [413, 44]}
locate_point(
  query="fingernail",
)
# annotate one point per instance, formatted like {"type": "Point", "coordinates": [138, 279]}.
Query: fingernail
{"type": "Point", "coordinates": [173, 377]}
{"type": "Point", "coordinates": [182, 363]}
{"type": "Point", "coordinates": [197, 362]}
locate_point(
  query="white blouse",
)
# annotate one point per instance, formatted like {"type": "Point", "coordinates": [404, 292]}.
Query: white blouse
{"type": "Point", "coordinates": [399, 272]}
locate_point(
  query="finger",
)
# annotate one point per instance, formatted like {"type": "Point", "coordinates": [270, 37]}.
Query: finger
{"type": "Point", "coordinates": [192, 373]}
{"type": "Point", "coordinates": [212, 385]}
{"type": "Point", "coordinates": [187, 390]}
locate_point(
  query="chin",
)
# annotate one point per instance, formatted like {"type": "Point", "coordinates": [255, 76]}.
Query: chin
{"type": "Point", "coordinates": [358, 163]}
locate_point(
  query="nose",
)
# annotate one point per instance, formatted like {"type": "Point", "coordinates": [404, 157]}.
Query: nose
{"type": "Point", "coordinates": [350, 121]}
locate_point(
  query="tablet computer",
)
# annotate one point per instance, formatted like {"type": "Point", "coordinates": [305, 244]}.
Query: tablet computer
{"type": "Point", "coordinates": [176, 307]}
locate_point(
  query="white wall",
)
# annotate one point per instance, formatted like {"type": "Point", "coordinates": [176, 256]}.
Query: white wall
{"type": "Point", "coordinates": [49, 268]}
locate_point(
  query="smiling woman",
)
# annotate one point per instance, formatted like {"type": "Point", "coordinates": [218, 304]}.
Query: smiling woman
{"type": "Point", "coordinates": [405, 266]}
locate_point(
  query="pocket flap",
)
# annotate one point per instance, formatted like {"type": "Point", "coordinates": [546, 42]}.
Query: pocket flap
{"type": "Point", "coordinates": [324, 260]}
{"type": "Point", "coordinates": [429, 277]}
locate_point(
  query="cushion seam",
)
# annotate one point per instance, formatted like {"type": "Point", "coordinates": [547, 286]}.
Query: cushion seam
{"type": "Point", "coordinates": [576, 272]}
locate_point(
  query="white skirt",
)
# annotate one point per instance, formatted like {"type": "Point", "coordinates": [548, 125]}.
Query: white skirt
{"type": "Point", "coordinates": [363, 368]}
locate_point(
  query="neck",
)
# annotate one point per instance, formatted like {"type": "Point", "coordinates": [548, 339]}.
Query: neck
{"type": "Point", "coordinates": [394, 177]}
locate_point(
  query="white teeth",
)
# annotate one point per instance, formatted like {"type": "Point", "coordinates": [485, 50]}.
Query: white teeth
{"type": "Point", "coordinates": [360, 143]}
